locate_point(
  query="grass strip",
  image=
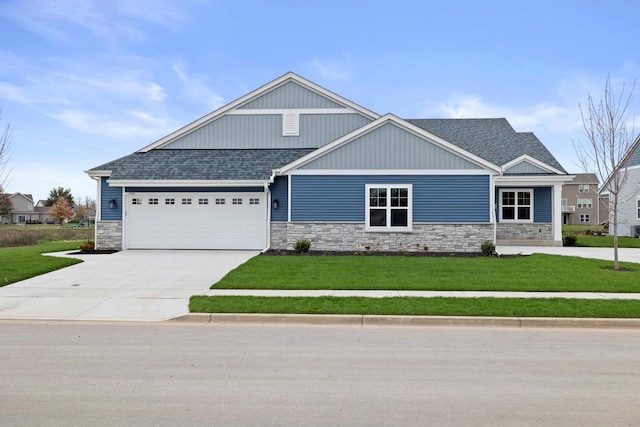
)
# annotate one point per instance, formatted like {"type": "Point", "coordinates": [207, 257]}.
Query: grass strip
{"type": "Point", "coordinates": [549, 273]}
{"type": "Point", "coordinates": [25, 262]}
{"type": "Point", "coordinates": [413, 306]}
{"type": "Point", "coordinates": [606, 242]}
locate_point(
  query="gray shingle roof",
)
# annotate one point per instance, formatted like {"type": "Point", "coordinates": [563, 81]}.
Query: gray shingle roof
{"type": "Point", "coordinates": [201, 164]}
{"type": "Point", "coordinates": [492, 139]}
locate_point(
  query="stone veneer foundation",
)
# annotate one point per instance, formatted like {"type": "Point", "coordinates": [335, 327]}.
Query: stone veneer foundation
{"type": "Point", "coordinates": [532, 231]}
{"type": "Point", "coordinates": [109, 235]}
{"type": "Point", "coordinates": [352, 237]}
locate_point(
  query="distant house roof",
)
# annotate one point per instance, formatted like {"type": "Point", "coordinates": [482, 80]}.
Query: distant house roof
{"type": "Point", "coordinates": [492, 139]}
{"type": "Point", "coordinates": [26, 196]}
{"type": "Point", "coordinates": [201, 164]}
{"type": "Point", "coordinates": [585, 178]}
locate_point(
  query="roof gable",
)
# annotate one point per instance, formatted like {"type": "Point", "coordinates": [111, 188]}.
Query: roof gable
{"type": "Point", "coordinates": [390, 143]}
{"type": "Point", "coordinates": [288, 92]}
{"type": "Point", "coordinates": [492, 139]}
{"type": "Point", "coordinates": [527, 165]}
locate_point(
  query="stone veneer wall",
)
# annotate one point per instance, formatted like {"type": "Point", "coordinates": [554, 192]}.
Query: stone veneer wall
{"type": "Point", "coordinates": [109, 235]}
{"type": "Point", "coordinates": [532, 231]}
{"type": "Point", "coordinates": [352, 237]}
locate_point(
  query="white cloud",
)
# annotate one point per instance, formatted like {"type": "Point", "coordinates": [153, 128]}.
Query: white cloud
{"type": "Point", "coordinates": [334, 69]}
{"type": "Point", "coordinates": [110, 21]}
{"type": "Point", "coordinates": [197, 87]}
{"type": "Point", "coordinates": [128, 125]}
{"type": "Point", "coordinates": [542, 115]}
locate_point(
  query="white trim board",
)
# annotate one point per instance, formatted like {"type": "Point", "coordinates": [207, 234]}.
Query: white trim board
{"type": "Point", "coordinates": [390, 172]}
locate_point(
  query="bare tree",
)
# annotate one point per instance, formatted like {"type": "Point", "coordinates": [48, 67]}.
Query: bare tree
{"type": "Point", "coordinates": [606, 149]}
{"type": "Point", "coordinates": [5, 147]}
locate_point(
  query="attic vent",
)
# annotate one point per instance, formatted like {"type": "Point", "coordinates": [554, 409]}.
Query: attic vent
{"type": "Point", "coordinates": [290, 124]}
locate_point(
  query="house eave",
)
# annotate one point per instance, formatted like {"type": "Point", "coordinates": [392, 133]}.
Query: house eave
{"type": "Point", "coordinates": [98, 173]}
{"type": "Point", "coordinates": [533, 180]}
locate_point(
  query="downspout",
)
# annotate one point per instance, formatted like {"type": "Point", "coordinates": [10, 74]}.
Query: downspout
{"type": "Point", "coordinates": [268, 231]}
{"type": "Point", "coordinates": [267, 190]}
{"type": "Point", "coordinates": [492, 208]}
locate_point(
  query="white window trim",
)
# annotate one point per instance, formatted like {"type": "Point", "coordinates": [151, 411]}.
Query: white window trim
{"type": "Point", "coordinates": [638, 207]}
{"type": "Point", "coordinates": [388, 228]}
{"type": "Point", "coordinates": [521, 221]}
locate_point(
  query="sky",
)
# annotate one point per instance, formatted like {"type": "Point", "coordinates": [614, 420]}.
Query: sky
{"type": "Point", "coordinates": [83, 82]}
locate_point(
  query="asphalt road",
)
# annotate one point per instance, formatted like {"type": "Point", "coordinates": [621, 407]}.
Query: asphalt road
{"type": "Point", "coordinates": [67, 373]}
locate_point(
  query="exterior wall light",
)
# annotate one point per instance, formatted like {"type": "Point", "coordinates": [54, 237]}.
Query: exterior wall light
{"type": "Point", "coordinates": [276, 203]}
{"type": "Point", "coordinates": [112, 203]}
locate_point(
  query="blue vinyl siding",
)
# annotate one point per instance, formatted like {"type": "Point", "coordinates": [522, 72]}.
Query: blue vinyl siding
{"type": "Point", "coordinates": [279, 192]}
{"type": "Point", "coordinates": [436, 198]}
{"type": "Point", "coordinates": [110, 193]}
{"type": "Point", "coordinates": [542, 204]}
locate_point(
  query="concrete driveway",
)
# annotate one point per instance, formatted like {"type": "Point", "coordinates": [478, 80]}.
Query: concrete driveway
{"type": "Point", "coordinates": [128, 285]}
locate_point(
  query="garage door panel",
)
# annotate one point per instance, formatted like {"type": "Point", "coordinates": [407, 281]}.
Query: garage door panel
{"type": "Point", "coordinates": [202, 224]}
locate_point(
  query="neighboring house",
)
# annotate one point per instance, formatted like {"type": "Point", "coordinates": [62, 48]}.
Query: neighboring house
{"type": "Point", "coordinates": [24, 211]}
{"type": "Point", "coordinates": [581, 204]}
{"type": "Point", "coordinates": [629, 197]}
{"type": "Point", "coordinates": [292, 160]}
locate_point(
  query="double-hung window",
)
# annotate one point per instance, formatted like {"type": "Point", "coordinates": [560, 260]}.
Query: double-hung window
{"type": "Point", "coordinates": [389, 207]}
{"type": "Point", "coordinates": [585, 203]}
{"type": "Point", "coordinates": [516, 205]}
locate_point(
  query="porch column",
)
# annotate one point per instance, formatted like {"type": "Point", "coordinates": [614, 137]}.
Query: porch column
{"type": "Point", "coordinates": [557, 212]}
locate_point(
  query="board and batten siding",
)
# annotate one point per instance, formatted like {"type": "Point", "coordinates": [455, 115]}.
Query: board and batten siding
{"type": "Point", "coordinates": [525, 168]}
{"type": "Point", "coordinates": [107, 194]}
{"type": "Point", "coordinates": [436, 198]}
{"type": "Point", "coordinates": [390, 147]}
{"type": "Point", "coordinates": [265, 131]}
{"type": "Point", "coordinates": [290, 95]}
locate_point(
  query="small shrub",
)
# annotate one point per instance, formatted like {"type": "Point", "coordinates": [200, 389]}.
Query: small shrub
{"type": "Point", "coordinates": [302, 246]}
{"type": "Point", "coordinates": [488, 248]}
{"type": "Point", "coordinates": [87, 246]}
{"type": "Point", "coordinates": [569, 240]}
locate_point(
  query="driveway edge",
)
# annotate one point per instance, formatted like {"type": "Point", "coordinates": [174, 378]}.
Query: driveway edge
{"type": "Point", "coordinates": [380, 320]}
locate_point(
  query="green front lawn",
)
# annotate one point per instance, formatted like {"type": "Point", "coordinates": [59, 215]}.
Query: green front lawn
{"type": "Point", "coordinates": [410, 306]}
{"type": "Point", "coordinates": [530, 273]}
{"type": "Point", "coordinates": [25, 262]}
{"type": "Point", "coordinates": [607, 241]}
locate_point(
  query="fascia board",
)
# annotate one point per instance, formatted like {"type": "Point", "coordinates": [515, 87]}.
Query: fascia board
{"type": "Point", "coordinates": [533, 180]}
{"type": "Point", "coordinates": [98, 173]}
{"type": "Point", "coordinates": [250, 97]}
{"type": "Point", "coordinates": [388, 118]}
{"type": "Point", "coordinates": [533, 161]}
{"type": "Point", "coordinates": [185, 183]}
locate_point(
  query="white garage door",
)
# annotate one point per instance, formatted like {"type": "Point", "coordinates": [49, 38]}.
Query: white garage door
{"type": "Point", "coordinates": [196, 220]}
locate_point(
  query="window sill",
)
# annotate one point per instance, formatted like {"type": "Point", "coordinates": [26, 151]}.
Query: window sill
{"type": "Point", "coordinates": [388, 230]}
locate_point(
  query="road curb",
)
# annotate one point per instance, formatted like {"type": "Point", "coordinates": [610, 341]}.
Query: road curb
{"type": "Point", "coordinates": [380, 320]}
